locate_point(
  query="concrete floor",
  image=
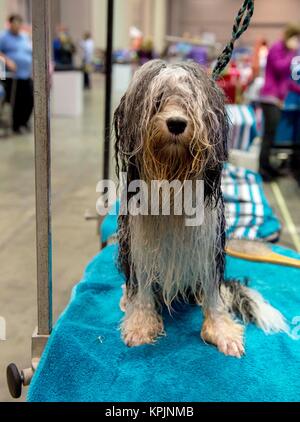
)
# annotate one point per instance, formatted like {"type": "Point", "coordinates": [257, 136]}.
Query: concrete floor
{"type": "Point", "coordinates": [291, 193]}
{"type": "Point", "coordinates": [76, 168]}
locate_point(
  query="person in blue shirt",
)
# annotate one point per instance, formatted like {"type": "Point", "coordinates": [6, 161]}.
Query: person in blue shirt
{"type": "Point", "coordinates": [63, 50]}
{"type": "Point", "coordinates": [16, 47]}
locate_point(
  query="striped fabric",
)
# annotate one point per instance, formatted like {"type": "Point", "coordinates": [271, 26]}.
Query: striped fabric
{"type": "Point", "coordinates": [248, 213]}
{"type": "Point", "coordinates": [243, 128]}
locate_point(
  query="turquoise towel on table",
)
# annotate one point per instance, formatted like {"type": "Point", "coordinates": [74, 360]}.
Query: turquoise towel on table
{"type": "Point", "coordinates": [248, 213]}
{"type": "Point", "coordinates": [85, 359]}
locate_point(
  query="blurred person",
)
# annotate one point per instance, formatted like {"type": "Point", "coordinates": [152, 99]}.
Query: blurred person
{"type": "Point", "coordinates": [2, 95]}
{"type": "Point", "coordinates": [258, 67]}
{"type": "Point", "coordinates": [274, 91]}
{"type": "Point", "coordinates": [289, 126]}
{"type": "Point", "coordinates": [184, 46]}
{"type": "Point", "coordinates": [87, 46]}
{"type": "Point", "coordinates": [63, 50]}
{"type": "Point", "coordinates": [5, 65]}
{"type": "Point", "coordinates": [136, 38]}
{"type": "Point", "coordinates": [146, 52]}
{"type": "Point", "coordinates": [16, 49]}
{"type": "Point", "coordinates": [9, 64]}
{"type": "Point", "coordinates": [198, 54]}
{"type": "Point", "coordinates": [260, 56]}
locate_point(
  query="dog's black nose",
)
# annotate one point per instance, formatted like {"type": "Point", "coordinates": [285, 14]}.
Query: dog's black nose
{"type": "Point", "coordinates": [176, 125]}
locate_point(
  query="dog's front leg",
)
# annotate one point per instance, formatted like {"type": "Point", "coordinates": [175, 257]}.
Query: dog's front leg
{"type": "Point", "coordinates": [222, 331]}
{"type": "Point", "coordinates": [219, 328]}
{"type": "Point", "coordinates": [142, 323]}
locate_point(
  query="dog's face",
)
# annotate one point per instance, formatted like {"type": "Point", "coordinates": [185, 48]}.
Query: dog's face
{"type": "Point", "coordinates": [171, 123]}
{"type": "Point", "coordinates": [171, 129]}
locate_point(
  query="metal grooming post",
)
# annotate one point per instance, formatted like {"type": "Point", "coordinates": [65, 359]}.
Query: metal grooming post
{"type": "Point", "coordinates": [108, 87]}
{"type": "Point", "coordinates": [41, 71]}
{"type": "Point", "coordinates": [41, 61]}
{"type": "Point", "coordinates": [108, 105]}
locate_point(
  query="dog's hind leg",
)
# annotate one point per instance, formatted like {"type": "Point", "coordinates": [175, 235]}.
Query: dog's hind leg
{"type": "Point", "coordinates": [142, 323]}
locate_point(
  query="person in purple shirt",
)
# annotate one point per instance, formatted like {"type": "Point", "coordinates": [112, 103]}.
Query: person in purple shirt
{"type": "Point", "coordinates": [16, 48]}
{"type": "Point", "coordinates": [199, 55]}
{"type": "Point", "coordinates": [274, 91]}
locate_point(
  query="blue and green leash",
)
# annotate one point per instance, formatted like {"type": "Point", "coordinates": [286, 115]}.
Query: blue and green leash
{"type": "Point", "coordinates": [241, 24]}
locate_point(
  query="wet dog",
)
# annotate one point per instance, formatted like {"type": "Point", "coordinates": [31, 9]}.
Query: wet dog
{"type": "Point", "coordinates": [172, 125]}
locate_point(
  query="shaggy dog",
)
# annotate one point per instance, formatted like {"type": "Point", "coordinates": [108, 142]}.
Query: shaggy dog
{"type": "Point", "coordinates": [172, 125]}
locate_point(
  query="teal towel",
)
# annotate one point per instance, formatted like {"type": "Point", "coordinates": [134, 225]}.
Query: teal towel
{"type": "Point", "coordinates": [85, 359]}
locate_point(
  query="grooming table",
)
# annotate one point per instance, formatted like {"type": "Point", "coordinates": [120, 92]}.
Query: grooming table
{"type": "Point", "coordinates": [86, 360]}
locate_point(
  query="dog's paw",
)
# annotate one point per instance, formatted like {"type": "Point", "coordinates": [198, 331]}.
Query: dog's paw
{"type": "Point", "coordinates": [231, 347]}
{"type": "Point", "coordinates": [141, 328]}
{"type": "Point", "coordinates": [226, 334]}
{"type": "Point", "coordinates": [134, 338]}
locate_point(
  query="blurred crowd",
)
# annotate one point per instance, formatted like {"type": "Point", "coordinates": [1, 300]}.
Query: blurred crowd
{"type": "Point", "coordinates": [17, 87]}
{"type": "Point", "coordinates": [16, 82]}
{"type": "Point", "coordinates": [265, 76]}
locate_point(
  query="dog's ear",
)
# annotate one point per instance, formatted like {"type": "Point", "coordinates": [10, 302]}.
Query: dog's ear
{"type": "Point", "coordinates": [213, 174]}
{"type": "Point", "coordinates": [124, 143]}
{"type": "Point", "coordinates": [119, 116]}
{"type": "Point", "coordinates": [118, 123]}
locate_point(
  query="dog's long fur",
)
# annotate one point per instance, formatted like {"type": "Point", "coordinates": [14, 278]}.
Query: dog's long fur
{"type": "Point", "coordinates": [161, 258]}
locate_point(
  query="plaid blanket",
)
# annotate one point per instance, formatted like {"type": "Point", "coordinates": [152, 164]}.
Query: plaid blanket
{"type": "Point", "coordinates": [243, 128]}
{"type": "Point", "coordinates": [248, 213]}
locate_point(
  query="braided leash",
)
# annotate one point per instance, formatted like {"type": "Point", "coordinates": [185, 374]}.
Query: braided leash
{"type": "Point", "coordinates": [241, 24]}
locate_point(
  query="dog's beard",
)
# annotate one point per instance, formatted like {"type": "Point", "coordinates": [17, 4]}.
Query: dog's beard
{"type": "Point", "coordinates": [163, 160]}
{"type": "Point", "coordinates": [173, 157]}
